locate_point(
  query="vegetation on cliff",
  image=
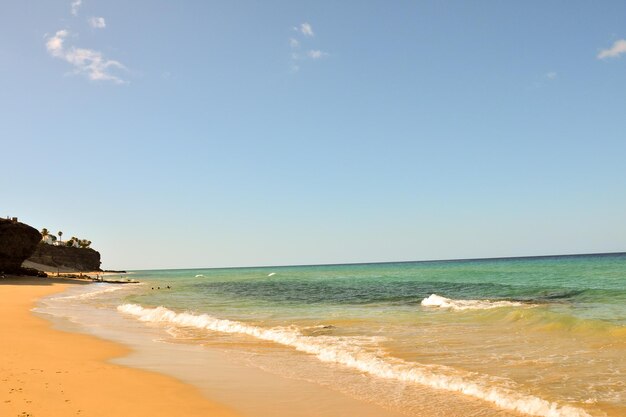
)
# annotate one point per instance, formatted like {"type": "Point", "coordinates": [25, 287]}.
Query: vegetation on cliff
{"type": "Point", "coordinates": [20, 242]}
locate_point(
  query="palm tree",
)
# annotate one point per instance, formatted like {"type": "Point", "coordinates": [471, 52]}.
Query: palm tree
{"type": "Point", "coordinates": [44, 233]}
{"type": "Point", "coordinates": [60, 234]}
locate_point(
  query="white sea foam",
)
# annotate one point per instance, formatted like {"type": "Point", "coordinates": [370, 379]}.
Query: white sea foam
{"type": "Point", "coordinates": [435, 300]}
{"type": "Point", "coordinates": [271, 274]}
{"type": "Point", "coordinates": [199, 276]}
{"type": "Point", "coordinates": [357, 353]}
{"type": "Point", "coordinates": [91, 294]}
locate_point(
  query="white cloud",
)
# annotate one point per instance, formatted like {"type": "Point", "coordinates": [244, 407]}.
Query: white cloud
{"type": "Point", "coordinates": [552, 75]}
{"type": "Point", "coordinates": [55, 43]}
{"type": "Point", "coordinates": [97, 22]}
{"type": "Point", "coordinates": [316, 54]}
{"type": "Point", "coordinates": [306, 29]}
{"type": "Point", "coordinates": [298, 56]}
{"type": "Point", "coordinates": [618, 48]}
{"type": "Point", "coordinates": [75, 6]}
{"type": "Point", "coordinates": [85, 61]}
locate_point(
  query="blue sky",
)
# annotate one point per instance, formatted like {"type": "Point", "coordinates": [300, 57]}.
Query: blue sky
{"type": "Point", "coordinates": [220, 133]}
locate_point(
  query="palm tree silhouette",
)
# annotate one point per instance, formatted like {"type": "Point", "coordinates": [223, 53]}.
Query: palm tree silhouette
{"type": "Point", "coordinates": [44, 233]}
{"type": "Point", "coordinates": [60, 234]}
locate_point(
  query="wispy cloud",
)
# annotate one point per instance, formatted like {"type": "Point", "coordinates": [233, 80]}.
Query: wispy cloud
{"type": "Point", "coordinates": [618, 48]}
{"type": "Point", "coordinates": [55, 43]}
{"type": "Point", "coordinates": [97, 22]}
{"type": "Point", "coordinates": [552, 75]}
{"type": "Point", "coordinates": [75, 6]}
{"type": "Point", "coordinates": [316, 54]}
{"type": "Point", "coordinates": [306, 29]}
{"type": "Point", "coordinates": [294, 44]}
{"type": "Point", "coordinates": [304, 32]}
{"type": "Point", "coordinates": [88, 62]}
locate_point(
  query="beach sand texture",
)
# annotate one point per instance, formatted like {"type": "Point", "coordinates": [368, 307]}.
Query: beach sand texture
{"type": "Point", "coordinates": [50, 373]}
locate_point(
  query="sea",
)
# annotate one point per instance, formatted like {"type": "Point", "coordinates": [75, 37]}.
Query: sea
{"type": "Point", "coordinates": [541, 336]}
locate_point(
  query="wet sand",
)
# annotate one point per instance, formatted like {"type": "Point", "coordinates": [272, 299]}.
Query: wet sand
{"type": "Point", "coordinates": [51, 373]}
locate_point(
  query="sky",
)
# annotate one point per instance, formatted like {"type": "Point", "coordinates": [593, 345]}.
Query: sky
{"type": "Point", "coordinates": [237, 133]}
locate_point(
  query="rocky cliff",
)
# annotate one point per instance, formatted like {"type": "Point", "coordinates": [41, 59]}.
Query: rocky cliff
{"type": "Point", "coordinates": [79, 259]}
{"type": "Point", "coordinates": [17, 242]}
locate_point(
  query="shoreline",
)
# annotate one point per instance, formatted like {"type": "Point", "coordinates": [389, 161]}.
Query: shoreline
{"type": "Point", "coordinates": [80, 275]}
{"type": "Point", "coordinates": [53, 373]}
{"type": "Point", "coordinates": [244, 379]}
{"type": "Point", "coordinates": [227, 378]}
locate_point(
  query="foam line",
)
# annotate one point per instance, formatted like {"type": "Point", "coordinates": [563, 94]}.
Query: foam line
{"type": "Point", "coordinates": [90, 294]}
{"type": "Point", "coordinates": [354, 353]}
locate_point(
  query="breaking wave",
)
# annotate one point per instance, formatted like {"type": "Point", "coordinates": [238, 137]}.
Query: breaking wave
{"type": "Point", "coordinates": [435, 300]}
{"type": "Point", "coordinates": [362, 354]}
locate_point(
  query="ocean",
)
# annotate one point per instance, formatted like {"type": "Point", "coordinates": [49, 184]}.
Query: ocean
{"type": "Point", "coordinates": [541, 336]}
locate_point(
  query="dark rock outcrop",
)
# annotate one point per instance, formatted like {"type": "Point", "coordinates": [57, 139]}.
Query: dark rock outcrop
{"type": "Point", "coordinates": [79, 259]}
{"type": "Point", "coordinates": [17, 242]}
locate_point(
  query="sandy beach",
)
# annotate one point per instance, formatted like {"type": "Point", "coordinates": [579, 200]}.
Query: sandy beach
{"type": "Point", "coordinates": [47, 372]}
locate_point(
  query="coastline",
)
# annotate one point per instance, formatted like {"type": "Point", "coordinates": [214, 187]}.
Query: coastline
{"type": "Point", "coordinates": [258, 376]}
{"type": "Point", "coordinates": [54, 373]}
{"type": "Point", "coordinates": [225, 377]}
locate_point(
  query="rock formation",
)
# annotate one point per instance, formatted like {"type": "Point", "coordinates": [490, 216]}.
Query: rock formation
{"type": "Point", "coordinates": [79, 259]}
{"type": "Point", "coordinates": [17, 242]}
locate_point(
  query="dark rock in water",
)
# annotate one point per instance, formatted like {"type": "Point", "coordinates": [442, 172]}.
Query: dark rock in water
{"type": "Point", "coordinates": [17, 242]}
{"type": "Point", "coordinates": [79, 259]}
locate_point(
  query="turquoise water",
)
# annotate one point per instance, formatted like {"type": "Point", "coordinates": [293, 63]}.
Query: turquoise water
{"type": "Point", "coordinates": [591, 287]}
{"type": "Point", "coordinates": [532, 336]}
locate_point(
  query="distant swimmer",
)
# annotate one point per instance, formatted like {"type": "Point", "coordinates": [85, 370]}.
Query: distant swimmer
{"type": "Point", "coordinates": [271, 274]}
{"type": "Point", "coordinates": [168, 287]}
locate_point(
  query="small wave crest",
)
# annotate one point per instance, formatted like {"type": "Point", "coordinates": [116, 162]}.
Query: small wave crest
{"type": "Point", "coordinates": [91, 294]}
{"type": "Point", "coordinates": [435, 300]}
{"type": "Point", "coordinates": [360, 353]}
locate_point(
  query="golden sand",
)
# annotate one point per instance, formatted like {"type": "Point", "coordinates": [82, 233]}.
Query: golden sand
{"type": "Point", "coordinates": [50, 373]}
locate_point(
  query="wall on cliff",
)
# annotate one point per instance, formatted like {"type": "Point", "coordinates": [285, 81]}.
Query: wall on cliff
{"type": "Point", "coordinates": [79, 259]}
{"type": "Point", "coordinates": [17, 242]}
